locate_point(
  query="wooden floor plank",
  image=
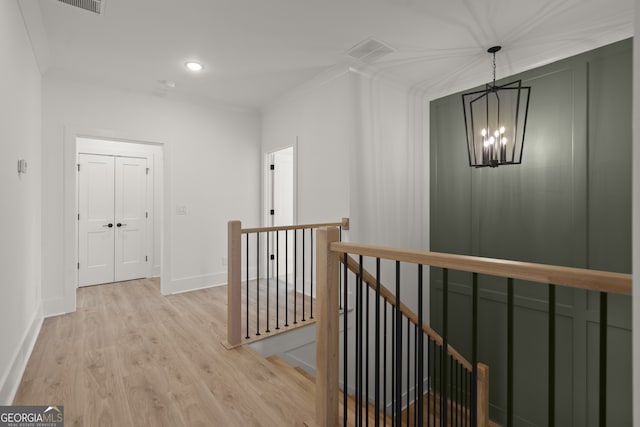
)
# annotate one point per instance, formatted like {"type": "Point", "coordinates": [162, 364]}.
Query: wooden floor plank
{"type": "Point", "coordinates": [129, 356]}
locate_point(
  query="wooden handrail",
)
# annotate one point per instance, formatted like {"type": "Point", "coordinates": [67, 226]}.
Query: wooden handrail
{"type": "Point", "coordinates": [344, 224]}
{"type": "Point", "coordinates": [327, 332]}
{"type": "Point", "coordinates": [368, 278]}
{"type": "Point", "coordinates": [592, 280]}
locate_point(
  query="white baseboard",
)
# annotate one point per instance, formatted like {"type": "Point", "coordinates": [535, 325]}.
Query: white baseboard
{"type": "Point", "coordinates": [194, 283]}
{"type": "Point", "coordinates": [13, 375]}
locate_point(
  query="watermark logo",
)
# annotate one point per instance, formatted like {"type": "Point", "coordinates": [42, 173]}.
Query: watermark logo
{"type": "Point", "coordinates": [31, 416]}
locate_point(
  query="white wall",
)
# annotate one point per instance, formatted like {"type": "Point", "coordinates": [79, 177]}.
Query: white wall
{"type": "Point", "coordinates": [20, 131]}
{"type": "Point", "coordinates": [389, 170]}
{"type": "Point", "coordinates": [363, 153]}
{"type": "Point", "coordinates": [211, 167]}
{"type": "Point", "coordinates": [321, 118]}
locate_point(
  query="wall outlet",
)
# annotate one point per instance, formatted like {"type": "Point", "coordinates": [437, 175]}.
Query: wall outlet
{"type": "Point", "coordinates": [181, 210]}
{"type": "Point", "coordinates": [224, 260]}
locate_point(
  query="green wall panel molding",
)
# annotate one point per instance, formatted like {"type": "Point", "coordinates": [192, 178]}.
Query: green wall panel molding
{"type": "Point", "coordinates": [569, 203]}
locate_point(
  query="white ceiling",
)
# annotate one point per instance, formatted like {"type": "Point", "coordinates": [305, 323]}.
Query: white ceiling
{"type": "Point", "coordinates": [256, 50]}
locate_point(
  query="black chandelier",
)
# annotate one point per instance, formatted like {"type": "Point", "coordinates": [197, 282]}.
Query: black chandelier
{"type": "Point", "coordinates": [495, 120]}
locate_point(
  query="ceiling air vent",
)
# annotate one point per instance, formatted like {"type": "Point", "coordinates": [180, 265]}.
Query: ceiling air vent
{"type": "Point", "coordinates": [370, 50]}
{"type": "Point", "coordinates": [95, 6]}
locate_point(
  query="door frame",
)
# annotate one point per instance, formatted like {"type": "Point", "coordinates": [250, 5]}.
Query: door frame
{"type": "Point", "coordinates": [149, 152]}
{"type": "Point", "coordinates": [65, 300]}
{"type": "Point", "coordinates": [266, 198]}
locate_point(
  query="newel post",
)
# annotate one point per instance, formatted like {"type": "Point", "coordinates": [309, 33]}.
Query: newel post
{"type": "Point", "coordinates": [327, 329]}
{"type": "Point", "coordinates": [234, 283]}
{"type": "Point", "coordinates": [483, 395]}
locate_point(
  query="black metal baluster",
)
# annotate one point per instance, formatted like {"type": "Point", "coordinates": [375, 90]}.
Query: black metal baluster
{"type": "Point", "coordinates": [258, 283]}
{"type": "Point", "coordinates": [277, 279]}
{"type": "Point", "coordinates": [345, 342]}
{"type": "Point", "coordinates": [436, 380]}
{"type": "Point", "coordinates": [445, 346]}
{"type": "Point", "coordinates": [268, 290]}
{"type": "Point", "coordinates": [311, 284]}
{"type": "Point", "coordinates": [295, 276]}
{"type": "Point", "coordinates": [366, 355]}
{"type": "Point", "coordinates": [551, 382]}
{"type": "Point", "coordinates": [340, 279]}
{"type": "Point", "coordinates": [454, 380]}
{"type": "Point", "coordinates": [247, 282]}
{"type": "Point", "coordinates": [602, 413]}
{"type": "Point", "coordinates": [377, 345]}
{"type": "Point", "coordinates": [358, 353]}
{"type": "Point", "coordinates": [398, 367]}
{"type": "Point", "coordinates": [304, 262]}
{"type": "Point", "coordinates": [429, 392]}
{"type": "Point", "coordinates": [393, 366]}
{"type": "Point", "coordinates": [474, 350]}
{"type": "Point", "coordinates": [408, 370]}
{"type": "Point", "coordinates": [451, 389]}
{"type": "Point", "coordinates": [420, 355]}
{"type": "Point", "coordinates": [459, 392]}
{"type": "Point", "coordinates": [415, 375]}
{"type": "Point", "coordinates": [510, 301]}
{"type": "Point", "coordinates": [467, 383]}
{"type": "Point", "coordinates": [286, 278]}
{"type": "Point", "coordinates": [384, 361]}
{"type": "Point", "coordinates": [360, 340]}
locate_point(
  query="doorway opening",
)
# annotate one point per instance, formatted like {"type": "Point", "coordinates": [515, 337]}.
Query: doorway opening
{"type": "Point", "coordinates": [118, 195]}
{"type": "Point", "coordinates": [280, 181]}
{"type": "Point", "coordinates": [280, 200]}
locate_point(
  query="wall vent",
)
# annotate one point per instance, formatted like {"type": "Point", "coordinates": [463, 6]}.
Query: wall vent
{"type": "Point", "coordinates": [95, 6]}
{"type": "Point", "coordinates": [370, 50]}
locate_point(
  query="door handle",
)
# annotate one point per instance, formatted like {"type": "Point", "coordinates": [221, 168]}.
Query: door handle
{"type": "Point", "coordinates": [121, 225]}
{"type": "Point", "coordinates": [108, 225]}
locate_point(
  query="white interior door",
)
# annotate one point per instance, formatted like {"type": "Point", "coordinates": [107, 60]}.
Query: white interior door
{"type": "Point", "coordinates": [95, 221]}
{"type": "Point", "coordinates": [112, 219]}
{"type": "Point", "coordinates": [282, 190]}
{"type": "Point", "coordinates": [281, 199]}
{"type": "Point", "coordinates": [130, 217]}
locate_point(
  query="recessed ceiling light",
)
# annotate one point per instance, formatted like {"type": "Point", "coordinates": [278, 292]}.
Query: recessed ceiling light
{"type": "Point", "coordinates": [194, 66]}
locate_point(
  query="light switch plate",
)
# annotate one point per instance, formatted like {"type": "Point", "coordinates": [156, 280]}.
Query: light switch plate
{"type": "Point", "coordinates": [22, 166]}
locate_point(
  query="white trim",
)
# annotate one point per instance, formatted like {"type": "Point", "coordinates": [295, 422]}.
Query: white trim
{"type": "Point", "coordinates": [34, 24]}
{"type": "Point", "coordinates": [13, 375]}
{"type": "Point", "coordinates": [194, 283]}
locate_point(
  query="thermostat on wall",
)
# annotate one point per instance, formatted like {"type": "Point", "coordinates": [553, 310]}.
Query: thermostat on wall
{"type": "Point", "coordinates": [22, 166]}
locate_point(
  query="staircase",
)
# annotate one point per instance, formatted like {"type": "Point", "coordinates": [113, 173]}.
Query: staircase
{"type": "Point", "coordinates": [303, 383]}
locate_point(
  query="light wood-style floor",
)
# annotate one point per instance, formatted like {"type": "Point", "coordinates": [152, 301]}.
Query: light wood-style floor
{"type": "Point", "coordinates": [132, 357]}
{"type": "Point", "coordinates": [281, 309]}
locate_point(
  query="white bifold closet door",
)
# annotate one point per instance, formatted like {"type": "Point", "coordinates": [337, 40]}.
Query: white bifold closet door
{"type": "Point", "coordinates": [112, 200]}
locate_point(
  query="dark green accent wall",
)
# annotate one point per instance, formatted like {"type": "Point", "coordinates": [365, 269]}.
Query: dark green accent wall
{"type": "Point", "coordinates": [569, 203]}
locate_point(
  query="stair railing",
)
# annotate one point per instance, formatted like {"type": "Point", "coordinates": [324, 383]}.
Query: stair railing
{"type": "Point", "coordinates": [431, 352]}
{"type": "Point", "coordinates": [441, 379]}
{"type": "Point", "coordinates": [270, 278]}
